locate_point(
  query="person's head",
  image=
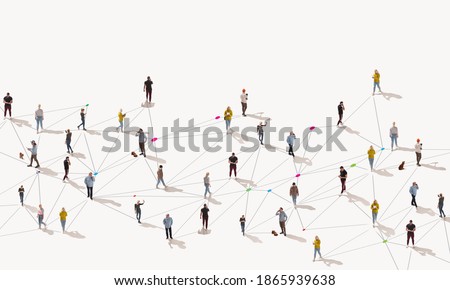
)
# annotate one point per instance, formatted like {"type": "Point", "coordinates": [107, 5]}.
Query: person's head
{"type": "Point", "coordinates": [228, 108]}
{"type": "Point", "coordinates": [291, 133]}
{"type": "Point", "coordinates": [293, 183]}
{"type": "Point", "coordinates": [148, 78]}
{"type": "Point", "coordinates": [140, 130]}
{"type": "Point", "coordinates": [63, 209]}
{"type": "Point", "coordinates": [160, 167]}
{"type": "Point", "coordinates": [260, 123]}
{"type": "Point", "coordinates": [138, 201]}
{"type": "Point", "coordinates": [167, 215]}
{"type": "Point", "coordinates": [39, 106]}
{"type": "Point", "coordinates": [341, 103]}
{"type": "Point", "coordinates": [82, 110]}
{"type": "Point", "coordinates": [243, 216]}
{"type": "Point", "coordinates": [90, 174]}
{"type": "Point", "coordinates": [414, 183]}
{"type": "Point", "coordinates": [281, 209]}
{"type": "Point", "coordinates": [375, 201]}
{"type": "Point", "coordinates": [243, 91]}
{"type": "Point", "coordinates": [207, 173]}
{"type": "Point", "coordinates": [67, 158]}
{"type": "Point", "coordinates": [40, 206]}
{"type": "Point", "coordinates": [33, 142]}
{"type": "Point", "coordinates": [68, 130]}
{"type": "Point", "coordinates": [440, 194]}
{"type": "Point", "coordinates": [393, 124]}
{"type": "Point", "coordinates": [205, 205]}
{"type": "Point", "coordinates": [317, 237]}
{"type": "Point", "coordinates": [376, 71]}
{"type": "Point", "coordinates": [22, 187]}
{"type": "Point", "coordinates": [341, 168]}
{"type": "Point", "coordinates": [371, 147]}
{"type": "Point", "coordinates": [7, 94]}
{"type": "Point", "coordinates": [418, 140]}
{"type": "Point", "coordinates": [410, 221]}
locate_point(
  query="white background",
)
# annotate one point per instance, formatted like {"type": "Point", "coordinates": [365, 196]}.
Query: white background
{"type": "Point", "coordinates": [297, 60]}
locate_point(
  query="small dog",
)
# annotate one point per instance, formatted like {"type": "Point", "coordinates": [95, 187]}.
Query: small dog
{"type": "Point", "coordinates": [134, 154]}
{"type": "Point", "coordinates": [21, 155]}
{"type": "Point", "coordinates": [401, 166]}
{"type": "Point", "coordinates": [274, 233]}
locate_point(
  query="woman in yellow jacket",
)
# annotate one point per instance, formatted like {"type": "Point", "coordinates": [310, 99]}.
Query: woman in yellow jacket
{"type": "Point", "coordinates": [62, 218]}
{"type": "Point", "coordinates": [374, 207]}
{"type": "Point", "coordinates": [316, 244]}
{"type": "Point", "coordinates": [376, 81]}
{"type": "Point", "coordinates": [371, 154]}
{"type": "Point", "coordinates": [227, 115]}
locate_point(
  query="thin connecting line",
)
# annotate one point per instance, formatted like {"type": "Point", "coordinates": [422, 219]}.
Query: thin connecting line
{"type": "Point", "coordinates": [334, 164]}
{"type": "Point", "coordinates": [399, 192]}
{"type": "Point", "coordinates": [60, 120]}
{"type": "Point", "coordinates": [399, 212]}
{"type": "Point", "coordinates": [409, 260]}
{"type": "Point", "coordinates": [51, 111]}
{"type": "Point", "coordinates": [117, 175]}
{"type": "Point", "coordinates": [378, 122]}
{"type": "Point", "coordinates": [9, 218]}
{"type": "Point", "coordinates": [20, 182]}
{"type": "Point", "coordinates": [151, 124]}
{"type": "Point", "coordinates": [20, 140]}
{"type": "Point", "coordinates": [173, 209]}
{"type": "Point", "coordinates": [73, 220]}
{"type": "Point", "coordinates": [113, 118]}
{"type": "Point", "coordinates": [259, 207]}
{"type": "Point", "coordinates": [196, 210]}
{"type": "Point", "coordinates": [62, 190]}
{"type": "Point", "coordinates": [403, 218]}
{"type": "Point", "coordinates": [298, 214]}
{"type": "Point", "coordinates": [322, 213]}
{"type": "Point", "coordinates": [390, 253]}
{"type": "Point", "coordinates": [337, 227]}
{"type": "Point", "coordinates": [229, 207]}
{"type": "Point", "coordinates": [89, 150]}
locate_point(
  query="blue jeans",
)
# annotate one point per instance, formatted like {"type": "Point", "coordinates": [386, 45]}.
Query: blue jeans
{"type": "Point", "coordinates": [160, 180]}
{"type": "Point", "coordinates": [227, 124]}
{"type": "Point", "coordinates": [294, 199]}
{"type": "Point", "coordinates": [41, 221]}
{"type": "Point", "coordinates": [261, 137]}
{"type": "Point", "coordinates": [69, 148]}
{"type": "Point", "coordinates": [243, 227]}
{"type": "Point", "coordinates": [207, 189]}
{"type": "Point", "coordinates": [376, 85]}
{"type": "Point", "coordinates": [374, 217]}
{"type": "Point", "coordinates": [39, 122]}
{"type": "Point", "coordinates": [371, 163]}
{"type": "Point", "coordinates": [63, 225]}
{"type": "Point", "coordinates": [317, 251]}
{"type": "Point", "coordinates": [120, 126]}
{"type": "Point", "coordinates": [394, 140]}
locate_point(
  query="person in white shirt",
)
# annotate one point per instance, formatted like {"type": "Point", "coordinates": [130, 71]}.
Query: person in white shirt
{"type": "Point", "coordinates": [418, 149]}
{"type": "Point", "coordinates": [39, 117]}
{"type": "Point", "coordinates": [244, 98]}
{"type": "Point", "coordinates": [393, 133]}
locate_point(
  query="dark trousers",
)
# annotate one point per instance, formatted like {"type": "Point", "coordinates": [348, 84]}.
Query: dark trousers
{"type": "Point", "coordinates": [83, 123]}
{"type": "Point", "coordinates": [283, 227]}
{"type": "Point", "coordinates": [142, 148]}
{"type": "Point", "coordinates": [148, 94]}
{"type": "Point", "coordinates": [34, 157]}
{"type": "Point", "coordinates": [413, 201]}
{"type": "Point", "coordinates": [168, 232]}
{"type": "Point", "coordinates": [21, 197]}
{"type": "Point", "coordinates": [343, 187]}
{"type": "Point", "coordinates": [340, 119]}
{"type": "Point", "coordinates": [233, 168]}
{"type": "Point", "coordinates": [410, 235]}
{"type": "Point", "coordinates": [205, 222]}
{"type": "Point", "coordinates": [138, 215]}
{"type": "Point", "coordinates": [441, 211]}
{"type": "Point", "coordinates": [66, 174]}
{"type": "Point", "coordinates": [7, 108]}
{"type": "Point", "coordinates": [69, 148]}
{"type": "Point", "coordinates": [244, 108]}
{"type": "Point", "coordinates": [89, 192]}
{"type": "Point", "coordinates": [261, 137]}
{"type": "Point", "coordinates": [418, 157]}
{"type": "Point", "coordinates": [291, 150]}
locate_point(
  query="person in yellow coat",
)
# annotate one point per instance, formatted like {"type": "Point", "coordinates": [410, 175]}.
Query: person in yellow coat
{"type": "Point", "coordinates": [316, 244]}
{"type": "Point", "coordinates": [62, 218]}
{"type": "Point", "coordinates": [374, 207]}
{"type": "Point", "coordinates": [371, 154]}
{"type": "Point", "coordinates": [376, 81]}
{"type": "Point", "coordinates": [120, 116]}
{"type": "Point", "coordinates": [228, 115]}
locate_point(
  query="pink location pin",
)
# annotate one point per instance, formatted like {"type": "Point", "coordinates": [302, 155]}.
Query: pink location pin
{"type": "Point", "coordinates": [218, 117]}
{"type": "Point", "coordinates": [134, 195]}
{"type": "Point", "coordinates": [312, 128]}
{"type": "Point", "coordinates": [154, 139]}
{"type": "Point", "coordinates": [297, 175]}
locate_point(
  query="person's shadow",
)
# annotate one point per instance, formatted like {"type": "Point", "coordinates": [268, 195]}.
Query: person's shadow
{"type": "Point", "coordinates": [178, 243]}
{"type": "Point", "coordinates": [330, 262]}
{"type": "Point", "coordinates": [75, 234]}
{"type": "Point", "coordinates": [389, 96]}
{"type": "Point", "coordinates": [433, 165]}
{"type": "Point", "coordinates": [108, 201]}
{"type": "Point", "coordinates": [254, 239]}
{"type": "Point", "coordinates": [424, 251]}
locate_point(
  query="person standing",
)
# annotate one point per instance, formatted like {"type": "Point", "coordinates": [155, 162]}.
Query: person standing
{"type": "Point", "coordinates": [168, 222]}
{"type": "Point", "coordinates": [142, 140]}
{"type": "Point", "coordinates": [66, 168]}
{"type": "Point", "coordinates": [204, 216]}
{"type": "Point", "coordinates": [291, 140]}
{"type": "Point", "coordinates": [371, 154]}
{"type": "Point", "coordinates": [244, 98]}
{"type": "Point", "coordinates": [148, 89]}
{"type": "Point", "coordinates": [282, 218]}
{"type": "Point", "coordinates": [89, 181]}
{"type": "Point", "coordinates": [293, 192]}
{"type": "Point", "coordinates": [7, 100]}
{"type": "Point", "coordinates": [316, 244]}
{"type": "Point", "coordinates": [441, 205]}
{"type": "Point", "coordinates": [137, 210]}
{"type": "Point", "coordinates": [260, 130]}
{"type": "Point", "coordinates": [242, 221]}
{"type": "Point", "coordinates": [418, 150]}
{"type": "Point", "coordinates": [228, 115]}
{"type": "Point", "coordinates": [39, 117]}
{"type": "Point", "coordinates": [40, 216]}
{"type": "Point", "coordinates": [343, 177]}
{"type": "Point", "coordinates": [21, 192]}
{"type": "Point", "coordinates": [68, 141]}
{"type": "Point", "coordinates": [63, 218]}
{"type": "Point", "coordinates": [33, 151]}
{"type": "Point", "coordinates": [413, 191]}
{"type": "Point", "coordinates": [410, 229]}
{"type": "Point", "coordinates": [374, 207]}
{"type": "Point", "coordinates": [233, 160]}
{"type": "Point", "coordinates": [83, 119]}
{"type": "Point", "coordinates": [120, 116]}
{"type": "Point", "coordinates": [207, 183]}
{"type": "Point", "coordinates": [376, 81]}
{"type": "Point", "coordinates": [341, 110]}
{"type": "Point", "coordinates": [160, 176]}
{"type": "Point", "coordinates": [393, 133]}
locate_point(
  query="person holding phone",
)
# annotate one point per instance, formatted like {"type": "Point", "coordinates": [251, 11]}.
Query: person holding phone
{"type": "Point", "coordinates": [244, 98]}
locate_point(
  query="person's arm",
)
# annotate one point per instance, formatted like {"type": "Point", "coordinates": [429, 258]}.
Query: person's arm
{"type": "Point", "coordinates": [144, 87]}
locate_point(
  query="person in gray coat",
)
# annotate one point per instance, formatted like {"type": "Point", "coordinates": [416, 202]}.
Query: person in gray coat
{"type": "Point", "coordinates": [168, 222]}
{"type": "Point", "coordinates": [89, 181]}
